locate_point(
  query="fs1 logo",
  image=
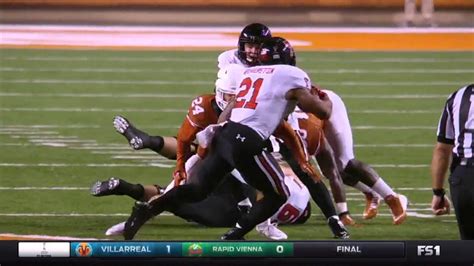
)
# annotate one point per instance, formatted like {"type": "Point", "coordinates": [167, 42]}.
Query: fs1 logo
{"type": "Point", "coordinates": [429, 250]}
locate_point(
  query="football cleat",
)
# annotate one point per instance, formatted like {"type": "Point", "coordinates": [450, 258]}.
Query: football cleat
{"type": "Point", "coordinates": [271, 231]}
{"type": "Point", "coordinates": [372, 202]}
{"type": "Point", "coordinates": [337, 228]}
{"type": "Point", "coordinates": [105, 188]}
{"type": "Point", "coordinates": [136, 138]}
{"type": "Point", "coordinates": [116, 230]}
{"type": "Point", "coordinates": [398, 205]}
{"type": "Point", "coordinates": [234, 234]}
{"type": "Point", "coordinates": [346, 218]}
{"type": "Point", "coordinates": [140, 215]}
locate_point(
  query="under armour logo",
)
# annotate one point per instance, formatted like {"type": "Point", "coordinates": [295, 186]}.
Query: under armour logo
{"type": "Point", "coordinates": [242, 139]}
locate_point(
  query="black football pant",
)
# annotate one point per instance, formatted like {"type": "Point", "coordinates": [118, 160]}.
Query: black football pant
{"type": "Point", "coordinates": [235, 146]}
{"type": "Point", "coordinates": [461, 184]}
{"type": "Point", "coordinates": [220, 208]}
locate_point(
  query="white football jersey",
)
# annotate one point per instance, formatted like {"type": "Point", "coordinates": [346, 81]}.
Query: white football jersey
{"type": "Point", "coordinates": [260, 101]}
{"type": "Point", "coordinates": [229, 57]}
{"type": "Point", "coordinates": [294, 207]}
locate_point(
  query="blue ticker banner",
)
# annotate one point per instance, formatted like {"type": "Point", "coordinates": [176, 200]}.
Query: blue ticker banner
{"type": "Point", "coordinates": [125, 249]}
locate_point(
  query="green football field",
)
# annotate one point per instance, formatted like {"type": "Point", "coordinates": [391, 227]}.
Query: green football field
{"type": "Point", "coordinates": [57, 138]}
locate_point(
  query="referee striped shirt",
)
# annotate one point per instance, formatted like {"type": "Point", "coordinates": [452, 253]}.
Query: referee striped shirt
{"type": "Point", "coordinates": [456, 125]}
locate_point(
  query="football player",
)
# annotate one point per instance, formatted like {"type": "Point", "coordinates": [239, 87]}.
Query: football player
{"type": "Point", "coordinates": [356, 173]}
{"type": "Point", "coordinates": [248, 47]}
{"type": "Point", "coordinates": [267, 93]}
{"type": "Point", "coordinates": [249, 44]}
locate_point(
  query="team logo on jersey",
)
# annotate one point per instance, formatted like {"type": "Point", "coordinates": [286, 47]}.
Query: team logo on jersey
{"type": "Point", "coordinates": [241, 138]}
{"type": "Point", "coordinates": [83, 249]}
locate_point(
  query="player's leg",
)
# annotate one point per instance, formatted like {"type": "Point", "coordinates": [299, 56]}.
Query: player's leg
{"type": "Point", "coordinates": [410, 10]}
{"type": "Point", "coordinates": [338, 133]}
{"type": "Point", "coordinates": [367, 175]}
{"type": "Point", "coordinates": [260, 170]}
{"type": "Point", "coordinates": [319, 193]}
{"type": "Point", "coordinates": [327, 163]}
{"type": "Point", "coordinates": [139, 139]}
{"type": "Point", "coordinates": [211, 171]}
{"type": "Point", "coordinates": [118, 186]}
{"type": "Point", "coordinates": [221, 207]}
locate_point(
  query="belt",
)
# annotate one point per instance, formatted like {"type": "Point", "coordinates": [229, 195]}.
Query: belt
{"type": "Point", "coordinates": [468, 162]}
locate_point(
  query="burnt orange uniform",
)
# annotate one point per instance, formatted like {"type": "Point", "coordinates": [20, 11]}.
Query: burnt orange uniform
{"type": "Point", "coordinates": [310, 128]}
{"type": "Point", "coordinates": [202, 112]}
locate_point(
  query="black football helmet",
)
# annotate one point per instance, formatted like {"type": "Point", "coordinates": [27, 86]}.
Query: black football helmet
{"type": "Point", "coordinates": [252, 33]}
{"type": "Point", "coordinates": [276, 51]}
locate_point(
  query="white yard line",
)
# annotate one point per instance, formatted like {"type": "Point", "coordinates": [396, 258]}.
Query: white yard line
{"type": "Point", "coordinates": [368, 127]}
{"type": "Point", "coordinates": [213, 70]}
{"type": "Point", "coordinates": [105, 165]}
{"type": "Point", "coordinates": [210, 82]}
{"type": "Point", "coordinates": [190, 96]}
{"type": "Point", "coordinates": [99, 95]}
{"type": "Point", "coordinates": [77, 109]}
{"type": "Point", "coordinates": [44, 188]}
{"type": "Point", "coordinates": [24, 165]}
{"type": "Point", "coordinates": [174, 110]}
{"type": "Point", "coordinates": [394, 145]}
{"type": "Point", "coordinates": [74, 215]}
{"type": "Point", "coordinates": [45, 237]}
{"type": "Point", "coordinates": [198, 29]}
{"type": "Point", "coordinates": [352, 194]}
{"type": "Point", "coordinates": [159, 59]}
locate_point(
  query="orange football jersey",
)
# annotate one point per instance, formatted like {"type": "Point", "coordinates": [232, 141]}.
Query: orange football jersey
{"type": "Point", "coordinates": [311, 130]}
{"type": "Point", "coordinates": [202, 112]}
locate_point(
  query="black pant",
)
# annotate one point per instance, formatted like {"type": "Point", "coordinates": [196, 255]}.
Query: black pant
{"type": "Point", "coordinates": [235, 146]}
{"type": "Point", "coordinates": [461, 184]}
{"type": "Point", "coordinates": [220, 208]}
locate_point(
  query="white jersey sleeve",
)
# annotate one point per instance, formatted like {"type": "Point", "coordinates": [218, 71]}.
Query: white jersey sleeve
{"type": "Point", "coordinates": [261, 102]}
{"type": "Point", "coordinates": [229, 57]}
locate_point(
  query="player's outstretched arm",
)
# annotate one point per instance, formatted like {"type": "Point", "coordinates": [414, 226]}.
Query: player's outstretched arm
{"type": "Point", "coordinates": [319, 105]}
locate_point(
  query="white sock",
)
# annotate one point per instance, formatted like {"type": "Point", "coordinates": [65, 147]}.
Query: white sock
{"type": "Point", "coordinates": [382, 188]}
{"type": "Point", "coordinates": [363, 187]}
{"type": "Point", "coordinates": [366, 189]}
{"type": "Point", "coordinates": [341, 207]}
{"type": "Point", "coordinates": [238, 225]}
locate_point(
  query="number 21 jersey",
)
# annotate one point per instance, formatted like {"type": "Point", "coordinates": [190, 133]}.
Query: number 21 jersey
{"type": "Point", "coordinates": [260, 102]}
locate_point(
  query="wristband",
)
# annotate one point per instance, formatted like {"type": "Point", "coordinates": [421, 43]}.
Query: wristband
{"type": "Point", "coordinates": [438, 192]}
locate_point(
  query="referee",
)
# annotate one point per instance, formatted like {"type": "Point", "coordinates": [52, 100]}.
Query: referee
{"type": "Point", "coordinates": [455, 141]}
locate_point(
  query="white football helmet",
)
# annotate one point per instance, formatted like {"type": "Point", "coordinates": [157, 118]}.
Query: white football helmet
{"type": "Point", "coordinates": [227, 83]}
